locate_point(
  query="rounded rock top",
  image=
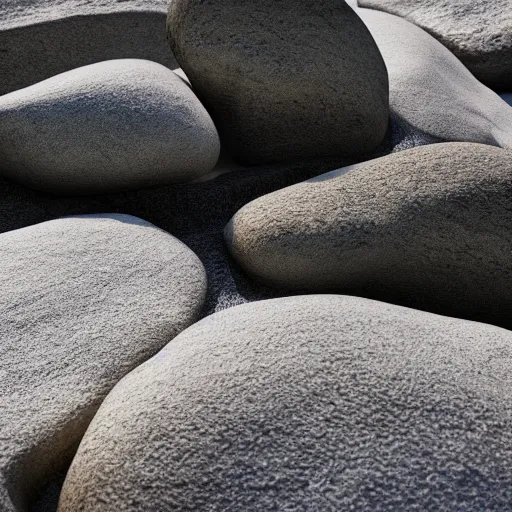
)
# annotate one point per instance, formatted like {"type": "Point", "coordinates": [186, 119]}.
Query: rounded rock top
{"type": "Point", "coordinates": [110, 126]}
{"type": "Point", "coordinates": [428, 228]}
{"type": "Point", "coordinates": [83, 301]}
{"type": "Point", "coordinates": [283, 83]}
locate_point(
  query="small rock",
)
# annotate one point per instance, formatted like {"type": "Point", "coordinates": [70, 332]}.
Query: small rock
{"type": "Point", "coordinates": [109, 126]}
{"type": "Point", "coordinates": [429, 228]}
{"type": "Point", "coordinates": [43, 38]}
{"type": "Point", "coordinates": [317, 403]}
{"type": "Point", "coordinates": [478, 33]}
{"type": "Point", "coordinates": [283, 84]}
{"type": "Point", "coordinates": [83, 300]}
{"type": "Point", "coordinates": [431, 90]}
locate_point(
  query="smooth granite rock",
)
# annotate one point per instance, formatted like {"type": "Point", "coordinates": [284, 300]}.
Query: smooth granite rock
{"type": "Point", "coordinates": [316, 403]}
{"type": "Point", "coordinates": [283, 84]}
{"type": "Point", "coordinates": [83, 301]}
{"type": "Point", "coordinates": [429, 228]}
{"type": "Point", "coordinates": [109, 126]}
{"type": "Point", "coordinates": [42, 38]}
{"type": "Point", "coordinates": [478, 32]}
{"type": "Point", "coordinates": [430, 89]}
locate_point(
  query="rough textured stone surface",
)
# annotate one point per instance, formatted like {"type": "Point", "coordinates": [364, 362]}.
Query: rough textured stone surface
{"type": "Point", "coordinates": [113, 125]}
{"type": "Point", "coordinates": [83, 300]}
{"type": "Point", "coordinates": [479, 33]}
{"type": "Point", "coordinates": [428, 227]}
{"type": "Point", "coordinates": [281, 83]}
{"type": "Point", "coordinates": [307, 403]}
{"type": "Point", "coordinates": [430, 89]}
{"type": "Point", "coordinates": [42, 38]}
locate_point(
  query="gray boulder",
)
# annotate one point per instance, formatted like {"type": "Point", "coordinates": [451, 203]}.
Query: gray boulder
{"type": "Point", "coordinates": [83, 300]}
{"type": "Point", "coordinates": [429, 228]}
{"type": "Point", "coordinates": [283, 84]}
{"type": "Point", "coordinates": [109, 126]}
{"type": "Point", "coordinates": [431, 90]}
{"type": "Point", "coordinates": [43, 38]}
{"type": "Point", "coordinates": [479, 33]}
{"type": "Point", "coordinates": [318, 403]}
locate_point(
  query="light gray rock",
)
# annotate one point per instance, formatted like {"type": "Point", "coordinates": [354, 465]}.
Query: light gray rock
{"type": "Point", "coordinates": [109, 126]}
{"type": "Point", "coordinates": [479, 33]}
{"type": "Point", "coordinates": [283, 84]}
{"type": "Point", "coordinates": [430, 88]}
{"type": "Point", "coordinates": [42, 38]}
{"type": "Point", "coordinates": [428, 227]}
{"type": "Point", "coordinates": [318, 403]}
{"type": "Point", "coordinates": [83, 300]}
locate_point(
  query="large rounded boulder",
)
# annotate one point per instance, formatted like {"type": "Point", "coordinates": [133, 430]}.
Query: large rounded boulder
{"type": "Point", "coordinates": [83, 301]}
{"type": "Point", "coordinates": [283, 83]}
{"type": "Point", "coordinates": [479, 33]}
{"type": "Point", "coordinates": [428, 227]}
{"type": "Point", "coordinates": [307, 403]}
{"type": "Point", "coordinates": [110, 126]}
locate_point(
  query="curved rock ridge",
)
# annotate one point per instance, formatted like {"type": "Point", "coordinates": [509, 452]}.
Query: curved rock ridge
{"type": "Point", "coordinates": [40, 38]}
{"type": "Point", "coordinates": [432, 90]}
{"type": "Point", "coordinates": [427, 227]}
{"type": "Point", "coordinates": [109, 126]}
{"type": "Point", "coordinates": [307, 403]}
{"type": "Point", "coordinates": [283, 84]}
{"type": "Point", "coordinates": [83, 300]}
{"type": "Point", "coordinates": [478, 33]}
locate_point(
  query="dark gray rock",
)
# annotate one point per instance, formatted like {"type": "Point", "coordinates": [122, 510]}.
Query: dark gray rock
{"type": "Point", "coordinates": [283, 84]}
{"type": "Point", "coordinates": [113, 125]}
{"type": "Point", "coordinates": [318, 403]}
{"type": "Point", "coordinates": [478, 33]}
{"type": "Point", "coordinates": [83, 300]}
{"type": "Point", "coordinates": [429, 228]}
{"type": "Point", "coordinates": [43, 38]}
{"type": "Point", "coordinates": [431, 89]}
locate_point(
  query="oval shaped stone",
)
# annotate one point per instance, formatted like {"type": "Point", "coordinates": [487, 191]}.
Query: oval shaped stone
{"type": "Point", "coordinates": [283, 84]}
{"type": "Point", "coordinates": [428, 227]}
{"type": "Point", "coordinates": [307, 403]}
{"type": "Point", "coordinates": [109, 126]}
{"type": "Point", "coordinates": [83, 300]}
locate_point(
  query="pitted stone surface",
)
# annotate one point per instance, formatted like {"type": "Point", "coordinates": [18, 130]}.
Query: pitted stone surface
{"type": "Point", "coordinates": [427, 227]}
{"type": "Point", "coordinates": [83, 300]}
{"type": "Point", "coordinates": [307, 403]}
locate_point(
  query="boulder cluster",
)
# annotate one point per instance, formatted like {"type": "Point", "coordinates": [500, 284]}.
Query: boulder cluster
{"type": "Point", "coordinates": [255, 256]}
